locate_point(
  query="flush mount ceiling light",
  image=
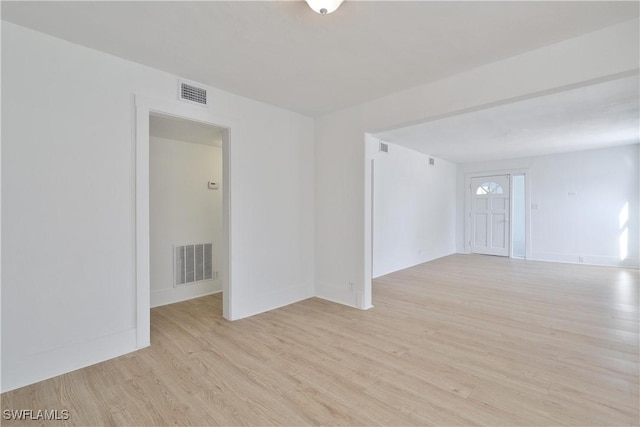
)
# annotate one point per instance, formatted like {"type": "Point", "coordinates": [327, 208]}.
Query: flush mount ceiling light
{"type": "Point", "coordinates": [324, 7]}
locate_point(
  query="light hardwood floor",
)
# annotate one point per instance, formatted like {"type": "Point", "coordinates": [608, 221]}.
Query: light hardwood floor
{"type": "Point", "coordinates": [463, 340]}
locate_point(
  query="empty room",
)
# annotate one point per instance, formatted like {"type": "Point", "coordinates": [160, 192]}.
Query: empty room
{"type": "Point", "coordinates": [320, 212]}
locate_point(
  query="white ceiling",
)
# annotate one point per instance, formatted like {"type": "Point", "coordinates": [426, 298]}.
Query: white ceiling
{"type": "Point", "coordinates": [596, 116]}
{"type": "Point", "coordinates": [168, 127]}
{"type": "Point", "coordinates": [284, 54]}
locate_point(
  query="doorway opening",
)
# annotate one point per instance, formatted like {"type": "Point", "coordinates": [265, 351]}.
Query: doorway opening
{"type": "Point", "coordinates": [410, 211]}
{"type": "Point", "coordinates": [183, 113]}
{"type": "Point", "coordinates": [185, 209]}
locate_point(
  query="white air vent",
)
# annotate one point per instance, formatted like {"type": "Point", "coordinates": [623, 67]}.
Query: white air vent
{"type": "Point", "coordinates": [193, 263]}
{"type": "Point", "coordinates": [384, 147]}
{"type": "Point", "coordinates": [191, 93]}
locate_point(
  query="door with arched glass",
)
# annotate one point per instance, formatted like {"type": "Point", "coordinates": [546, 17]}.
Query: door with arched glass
{"type": "Point", "coordinates": [490, 205]}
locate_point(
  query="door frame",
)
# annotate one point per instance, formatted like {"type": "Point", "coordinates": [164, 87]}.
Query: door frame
{"type": "Point", "coordinates": [144, 106]}
{"type": "Point", "coordinates": [504, 182]}
{"type": "Point", "coordinates": [365, 301]}
{"type": "Point", "coordinates": [527, 210]}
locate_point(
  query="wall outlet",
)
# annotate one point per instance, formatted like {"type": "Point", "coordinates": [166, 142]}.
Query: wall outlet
{"type": "Point", "coordinates": [351, 286]}
{"type": "Point", "coordinates": [580, 259]}
{"type": "Point", "coordinates": [216, 274]}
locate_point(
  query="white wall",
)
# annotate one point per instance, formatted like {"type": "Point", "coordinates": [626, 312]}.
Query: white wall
{"type": "Point", "coordinates": [68, 211]}
{"type": "Point", "coordinates": [68, 185]}
{"type": "Point", "coordinates": [340, 205]}
{"type": "Point", "coordinates": [340, 141]}
{"type": "Point", "coordinates": [182, 210]}
{"type": "Point", "coordinates": [414, 209]}
{"type": "Point", "coordinates": [580, 198]}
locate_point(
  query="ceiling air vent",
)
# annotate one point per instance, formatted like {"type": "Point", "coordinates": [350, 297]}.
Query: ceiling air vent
{"type": "Point", "coordinates": [191, 93]}
{"type": "Point", "coordinates": [384, 147]}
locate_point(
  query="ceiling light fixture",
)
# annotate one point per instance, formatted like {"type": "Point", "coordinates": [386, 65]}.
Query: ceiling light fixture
{"type": "Point", "coordinates": [324, 7]}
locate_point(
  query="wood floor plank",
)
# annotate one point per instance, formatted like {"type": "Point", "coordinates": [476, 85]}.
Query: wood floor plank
{"type": "Point", "coordinates": [462, 340]}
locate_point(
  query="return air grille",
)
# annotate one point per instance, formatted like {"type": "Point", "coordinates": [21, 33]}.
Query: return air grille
{"type": "Point", "coordinates": [193, 263]}
{"type": "Point", "coordinates": [384, 147]}
{"type": "Point", "coordinates": [193, 93]}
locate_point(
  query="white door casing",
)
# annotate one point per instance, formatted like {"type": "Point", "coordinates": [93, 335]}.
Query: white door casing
{"type": "Point", "coordinates": [490, 215]}
{"type": "Point", "coordinates": [144, 106]}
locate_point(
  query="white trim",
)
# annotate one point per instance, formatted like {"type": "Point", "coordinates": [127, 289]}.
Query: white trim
{"type": "Point", "coordinates": [277, 299]}
{"type": "Point", "coordinates": [364, 299]}
{"type": "Point", "coordinates": [337, 294]}
{"type": "Point", "coordinates": [176, 108]}
{"type": "Point", "coordinates": [166, 296]}
{"type": "Point", "coordinates": [143, 297]}
{"type": "Point", "coordinates": [527, 210]}
{"type": "Point", "coordinates": [593, 260]}
{"type": "Point", "coordinates": [33, 368]}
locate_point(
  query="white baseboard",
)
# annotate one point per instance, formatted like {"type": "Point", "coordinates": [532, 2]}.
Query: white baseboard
{"type": "Point", "coordinates": [182, 293]}
{"type": "Point", "coordinates": [336, 294]}
{"type": "Point", "coordinates": [261, 303]}
{"type": "Point", "coordinates": [414, 263]}
{"type": "Point", "coordinates": [607, 261]}
{"type": "Point", "coordinates": [21, 370]}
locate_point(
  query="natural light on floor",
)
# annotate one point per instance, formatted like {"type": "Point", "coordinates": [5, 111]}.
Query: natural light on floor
{"type": "Point", "coordinates": [626, 288]}
{"type": "Point", "coordinates": [624, 232]}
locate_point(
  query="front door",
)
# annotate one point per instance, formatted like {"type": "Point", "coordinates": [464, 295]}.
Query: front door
{"type": "Point", "coordinates": [490, 205]}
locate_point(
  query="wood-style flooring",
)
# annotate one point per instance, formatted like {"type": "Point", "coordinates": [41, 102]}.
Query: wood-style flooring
{"type": "Point", "coordinates": [462, 340]}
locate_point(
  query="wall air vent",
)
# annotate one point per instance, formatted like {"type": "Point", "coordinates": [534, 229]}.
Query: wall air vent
{"type": "Point", "coordinates": [384, 147]}
{"type": "Point", "coordinates": [191, 93]}
{"type": "Point", "coordinates": [193, 263]}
